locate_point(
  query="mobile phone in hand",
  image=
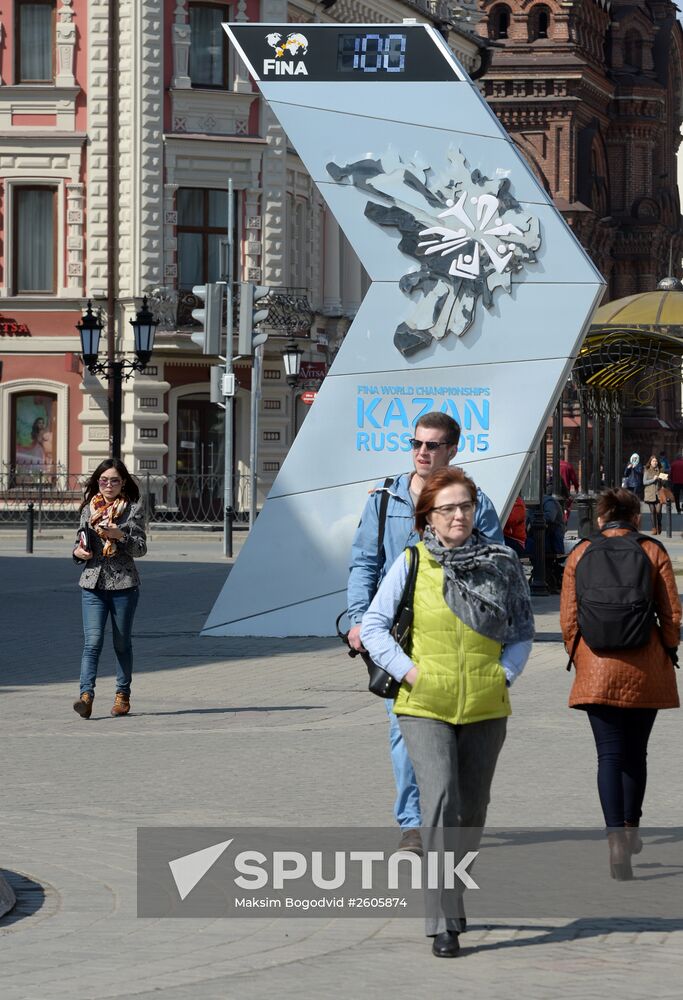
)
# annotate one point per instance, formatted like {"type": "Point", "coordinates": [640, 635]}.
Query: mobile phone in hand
{"type": "Point", "coordinates": [83, 539]}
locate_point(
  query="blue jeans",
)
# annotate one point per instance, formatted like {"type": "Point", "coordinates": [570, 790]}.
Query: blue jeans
{"type": "Point", "coordinates": [407, 805]}
{"type": "Point", "coordinates": [97, 606]}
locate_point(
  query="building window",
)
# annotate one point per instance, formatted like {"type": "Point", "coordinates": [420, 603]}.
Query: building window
{"type": "Point", "coordinates": [539, 22]}
{"type": "Point", "coordinates": [35, 41]}
{"type": "Point", "coordinates": [499, 21]}
{"type": "Point", "coordinates": [202, 226]}
{"type": "Point", "coordinates": [35, 247]}
{"type": "Point", "coordinates": [208, 45]}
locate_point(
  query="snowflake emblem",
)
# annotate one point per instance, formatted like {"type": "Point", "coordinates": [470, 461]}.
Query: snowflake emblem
{"type": "Point", "coordinates": [466, 231]}
{"type": "Point", "coordinates": [486, 233]}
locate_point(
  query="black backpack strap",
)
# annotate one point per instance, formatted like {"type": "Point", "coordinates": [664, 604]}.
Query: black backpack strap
{"type": "Point", "coordinates": [382, 514]}
{"type": "Point", "coordinates": [574, 647]}
{"type": "Point", "coordinates": [586, 542]}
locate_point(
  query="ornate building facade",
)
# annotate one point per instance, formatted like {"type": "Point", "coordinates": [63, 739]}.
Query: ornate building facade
{"type": "Point", "coordinates": [121, 127]}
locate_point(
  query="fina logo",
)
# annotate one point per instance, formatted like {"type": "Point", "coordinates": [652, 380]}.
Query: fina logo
{"type": "Point", "coordinates": [291, 46]}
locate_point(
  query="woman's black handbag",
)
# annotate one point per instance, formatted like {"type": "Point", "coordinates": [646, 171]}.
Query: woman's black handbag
{"type": "Point", "coordinates": [380, 681]}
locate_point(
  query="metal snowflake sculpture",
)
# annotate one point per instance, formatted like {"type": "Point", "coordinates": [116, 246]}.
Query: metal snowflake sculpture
{"type": "Point", "coordinates": [466, 231]}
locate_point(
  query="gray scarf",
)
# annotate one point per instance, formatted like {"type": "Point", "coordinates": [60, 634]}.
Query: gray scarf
{"type": "Point", "coordinates": [484, 585]}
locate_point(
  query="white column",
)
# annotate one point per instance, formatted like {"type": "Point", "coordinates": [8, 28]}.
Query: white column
{"type": "Point", "coordinates": [66, 42]}
{"type": "Point", "coordinates": [242, 84]}
{"type": "Point", "coordinates": [181, 48]}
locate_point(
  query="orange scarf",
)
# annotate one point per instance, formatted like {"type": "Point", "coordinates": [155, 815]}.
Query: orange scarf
{"type": "Point", "coordinates": [109, 514]}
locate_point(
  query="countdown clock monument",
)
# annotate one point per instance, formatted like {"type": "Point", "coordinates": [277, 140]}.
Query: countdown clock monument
{"type": "Point", "coordinates": [479, 301]}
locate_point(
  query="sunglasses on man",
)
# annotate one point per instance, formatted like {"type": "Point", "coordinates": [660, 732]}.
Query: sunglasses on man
{"type": "Point", "coordinates": [416, 444]}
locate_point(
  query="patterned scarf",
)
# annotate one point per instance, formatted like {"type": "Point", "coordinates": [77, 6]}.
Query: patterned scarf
{"type": "Point", "coordinates": [484, 585]}
{"type": "Point", "coordinates": [109, 513]}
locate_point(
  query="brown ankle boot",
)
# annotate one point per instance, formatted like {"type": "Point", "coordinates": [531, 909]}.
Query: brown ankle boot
{"type": "Point", "coordinates": [633, 839]}
{"type": "Point", "coordinates": [619, 856]}
{"type": "Point", "coordinates": [84, 705]}
{"type": "Point", "coordinates": [121, 704]}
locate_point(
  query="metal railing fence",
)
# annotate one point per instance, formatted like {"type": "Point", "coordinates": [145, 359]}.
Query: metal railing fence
{"type": "Point", "coordinates": [56, 495]}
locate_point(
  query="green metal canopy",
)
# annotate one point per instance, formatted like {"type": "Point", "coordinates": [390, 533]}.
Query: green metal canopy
{"type": "Point", "coordinates": [635, 341]}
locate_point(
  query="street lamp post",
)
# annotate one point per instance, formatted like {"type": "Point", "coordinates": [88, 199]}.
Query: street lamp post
{"type": "Point", "coordinates": [90, 328]}
{"type": "Point", "coordinates": [291, 357]}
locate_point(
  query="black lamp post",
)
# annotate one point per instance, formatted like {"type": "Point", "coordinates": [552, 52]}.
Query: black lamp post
{"type": "Point", "coordinates": [144, 328]}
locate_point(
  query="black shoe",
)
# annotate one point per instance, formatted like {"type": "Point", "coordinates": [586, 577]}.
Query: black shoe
{"type": "Point", "coordinates": [446, 945]}
{"type": "Point", "coordinates": [411, 841]}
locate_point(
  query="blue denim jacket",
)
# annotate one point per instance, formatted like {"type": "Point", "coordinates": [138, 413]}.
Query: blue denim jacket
{"type": "Point", "coordinates": [367, 569]}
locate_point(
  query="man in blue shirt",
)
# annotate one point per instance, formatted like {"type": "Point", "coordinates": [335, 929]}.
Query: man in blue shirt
{"type": "Point", "coordinates": [434, 446]}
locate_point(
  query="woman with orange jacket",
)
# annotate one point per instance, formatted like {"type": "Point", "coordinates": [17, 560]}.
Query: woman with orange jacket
{"type": "Point", "coordinates": [622, 690]}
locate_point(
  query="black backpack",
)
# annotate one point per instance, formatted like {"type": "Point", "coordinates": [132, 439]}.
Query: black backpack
{"type": "Point", "coordinates": [614, 593]}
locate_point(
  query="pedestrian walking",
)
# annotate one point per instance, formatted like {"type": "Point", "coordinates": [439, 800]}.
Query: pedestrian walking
{"type": "Point", "coordinates": [471, 637]}
{"type": "Point", "coordinates": [514, 529]}
{"type": "Point", "coordinates": [653, 480]}
{"type": "Point", "coordinates": [620, 616]}
{"type": "Point", "coordinates": [633, 476]}
{"type": "Point", "coordinates": [677, 480]}
{"type": "Point", "coordinates": [664, 462]}
{"type": "Point", "coordinates": [111, 535]}
{"type": "Point", "coordinates": [568, 476]}
{"type": "Point", "coordinates": [386, 528]}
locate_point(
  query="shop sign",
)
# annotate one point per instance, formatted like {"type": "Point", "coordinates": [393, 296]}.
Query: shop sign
{"type": "Point", "coordinates": [312, 370]}
{"type": "Point", "coordinates": [11, 328]}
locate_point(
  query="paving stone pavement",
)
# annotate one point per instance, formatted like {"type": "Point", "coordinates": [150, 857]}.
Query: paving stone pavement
{"type": "Point", "coordinates": [272, 732]}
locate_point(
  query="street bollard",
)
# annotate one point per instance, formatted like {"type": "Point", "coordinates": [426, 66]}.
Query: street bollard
{"type": "Point", "coordinates": [669, 520]}
{"type": "Point", "coordinates": [29, 528]}
{"type": "Point", "coordinates": [538, 584]}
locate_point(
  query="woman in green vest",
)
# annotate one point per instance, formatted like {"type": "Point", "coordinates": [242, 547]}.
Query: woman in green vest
{"type": "Point", "coordinates": [471, 637]}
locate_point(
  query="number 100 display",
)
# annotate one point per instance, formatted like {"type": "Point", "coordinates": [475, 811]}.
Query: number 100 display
{"type": "Point", "coordinates": [371, 53]}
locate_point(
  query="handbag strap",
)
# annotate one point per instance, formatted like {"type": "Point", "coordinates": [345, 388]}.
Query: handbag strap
{"type": "Point", "coordinates": [408, 594]}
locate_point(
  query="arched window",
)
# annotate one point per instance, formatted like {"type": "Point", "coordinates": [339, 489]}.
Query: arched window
{"type": "Point", "coordinates": [633, 50]}
{"type": "Point", "coordinates": [499, 21]}
{"type": "Point", "coordinates": [539, 22]}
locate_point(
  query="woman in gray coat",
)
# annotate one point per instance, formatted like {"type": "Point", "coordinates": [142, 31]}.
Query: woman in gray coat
{"type": "Point", "coordinates": [110, 536]}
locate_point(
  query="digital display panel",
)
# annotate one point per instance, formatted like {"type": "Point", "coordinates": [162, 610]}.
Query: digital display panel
{"type": "Point", "coordinates": [372, 52]}
{"type": "Point", "coordinates": [344, 53]}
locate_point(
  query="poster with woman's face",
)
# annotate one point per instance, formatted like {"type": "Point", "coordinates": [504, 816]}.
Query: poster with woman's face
{"type": "Point", "coordinates": [34, 429]}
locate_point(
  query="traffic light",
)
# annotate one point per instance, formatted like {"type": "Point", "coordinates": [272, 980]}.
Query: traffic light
{"type": "Point", "coordinates": [251, 315]}
{"type": "Point", "coordinates": [210, 318]}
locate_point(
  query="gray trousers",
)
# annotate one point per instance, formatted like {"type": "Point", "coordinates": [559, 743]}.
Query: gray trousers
{"type": "Point", "coordinates": [454, 766]}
